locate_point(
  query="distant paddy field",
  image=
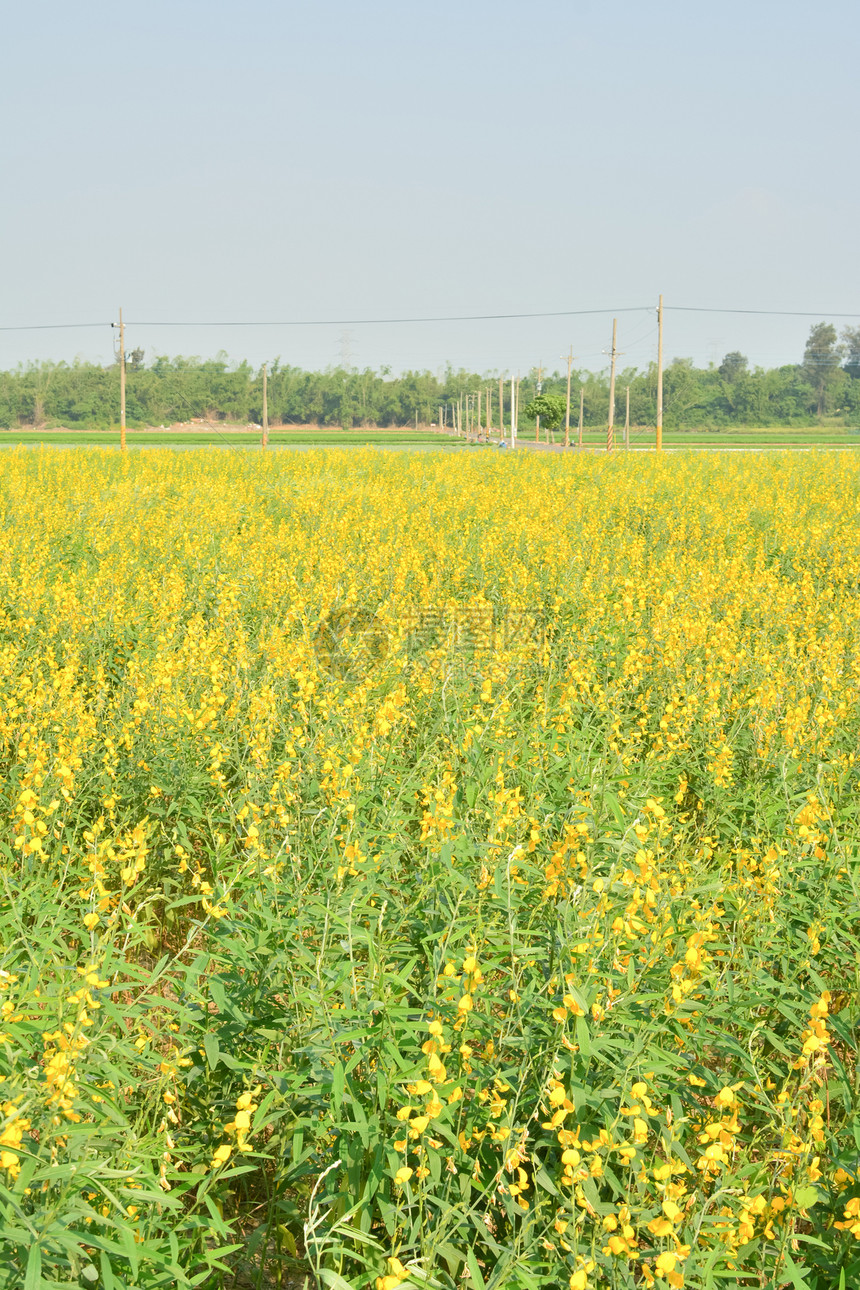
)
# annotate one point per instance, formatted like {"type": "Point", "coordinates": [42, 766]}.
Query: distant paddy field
{"type": "Point", "coordinates": [593, 440]}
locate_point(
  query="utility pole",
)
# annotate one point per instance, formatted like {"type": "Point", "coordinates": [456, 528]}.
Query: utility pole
{"type": "Point", "coordinates": [659, 444]}
{"type": "Point", "coordinates": [479, 427]}
{"type": "Point", "coordinates": [610, 429]}
{"type": "Point", "coordinates": [513, 405]}
{"type": "Point", "coordinates": [121, 384]}
{"type": "Point", "coordinates": [581, 410]}
{"type": "Point", "coordinates": [567, 408]}
{"type": "Point", "coordinates": [538, 388]}
{"type": "Point", "coordinates": [501, 408]}
{"type": "Point", "coordinates": [489, 411]}
{"type": "Point", "coordinates": [265, 408]}
{"type": "Point", "coordinates": [627, 421]}
{"type": "Point", "coordinates": [512, 444]}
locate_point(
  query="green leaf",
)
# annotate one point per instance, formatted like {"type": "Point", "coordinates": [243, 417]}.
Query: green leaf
{"type": "Point", "coordinates": [212, 1049]}
{"type": "Point", "coordinates": [107, 1273]}
{"type": "Point", "coordinates": [806, 1197]}
{"type": "Point", "coordinates": [795, 1273]}
{"type": "Point", "coordinates": [333, 1279]}
{"type": "Point", "coordinates": [543, 1178]}
{"type": "Point", "coordinates": [475, 1271]}
{"type": "Point", "coordinates": [33, 1275]}
{"type": "Point", "coordinates": [582, 1036]}
{"type": "Point", "coordinates": [338, 1076]}
{"type": "Point", "coordinates": [610, 800]}
{"type": "Point", "coordinates": [288, 1239]}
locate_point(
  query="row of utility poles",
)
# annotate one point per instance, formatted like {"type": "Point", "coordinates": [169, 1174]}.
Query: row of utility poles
{"type": "Point", "coordinates": [465, 418]}
{"type": "Point", "coordinates": [466, 415]}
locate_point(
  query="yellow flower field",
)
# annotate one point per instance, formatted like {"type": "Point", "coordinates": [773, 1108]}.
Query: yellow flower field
{"type": "Point", "coordinates": [429, 870]}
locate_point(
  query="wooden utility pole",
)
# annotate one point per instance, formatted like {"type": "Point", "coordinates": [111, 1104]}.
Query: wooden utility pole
{"type": "Point", "coordinates": [537, 395]}
{"type": "Point", "coordinates": [501, 408]}
{"type": "Point", "coordinates": [513, 412]}
{"type": "Point", "coordinates": [659, 443]}
{"type": "Point", "coordinates": [479, 427]}
{"type": "Point", "coordinates": [489, 411]}
{"type": "Point", "coordinates": [266, 407]}
{"type": "Point", "coordinates": [567, 408]}
{"type": "Point", "coordinates": [581, 410]}
{"type": "Point", "coordinates": [121, 384]}
{"type": "Point", "coordinates": [610, 429]}
{"type": "Point", "coordinates": [627, 421]}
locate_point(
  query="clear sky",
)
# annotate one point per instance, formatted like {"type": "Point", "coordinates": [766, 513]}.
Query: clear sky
{"type": "Point", "coordinates": [212, 162]}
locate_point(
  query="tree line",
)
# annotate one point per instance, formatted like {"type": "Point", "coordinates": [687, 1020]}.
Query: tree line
{"type": "Point", "coordinates": [825, 383]}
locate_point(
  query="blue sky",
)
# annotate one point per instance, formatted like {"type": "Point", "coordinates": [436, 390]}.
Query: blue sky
{"type": "Point", "coordinates": [211, 162]}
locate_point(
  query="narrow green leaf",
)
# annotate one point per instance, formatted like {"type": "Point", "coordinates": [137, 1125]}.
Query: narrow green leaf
{"type": "Point", "coordinates": [212, 1049]}
{"type": "Point", "coordinates": [33, 1275]}
{"type": "Point", "coordinates": [475, 1271]}
{"type": "Point", "coordinates": [337, 1085]}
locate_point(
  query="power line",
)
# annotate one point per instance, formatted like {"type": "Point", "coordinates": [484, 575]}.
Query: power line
{"type": "Point", "coordinates": [54, 326]}
{"type": "Point", "coordinates": [769, 313]}
{"type": "Point", "coordinates": [342, 322]}
{"type": "Point", "coordinates": [371, 322]}
{"type": "Point", "coordinates": [451, 318]}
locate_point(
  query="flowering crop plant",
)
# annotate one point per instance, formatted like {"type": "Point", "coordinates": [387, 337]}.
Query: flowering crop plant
{"type": "Point", "coordinates": [429, 870]}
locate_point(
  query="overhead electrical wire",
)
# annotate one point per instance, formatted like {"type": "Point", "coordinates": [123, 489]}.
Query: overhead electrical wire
{"type": "Point", "coordinates": [449, 318]}
{"type": "Point", "coordinates": [769, 313]}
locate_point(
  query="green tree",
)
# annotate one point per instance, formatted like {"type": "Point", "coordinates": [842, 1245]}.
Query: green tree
{"type": "Point", "coordinates": [851, 351]}
{"type": "Point", "coordinates": [821, 363]}
{"type": "Point", "coordinates": [733, 366]}
{"type": "Point", "coordinates": [549, 407]}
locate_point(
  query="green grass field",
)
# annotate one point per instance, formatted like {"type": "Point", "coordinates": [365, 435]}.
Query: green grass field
{"type": "Point", "coordinates": [781, 437]}
{"type": "Point", "coordinates": [239, 439]}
